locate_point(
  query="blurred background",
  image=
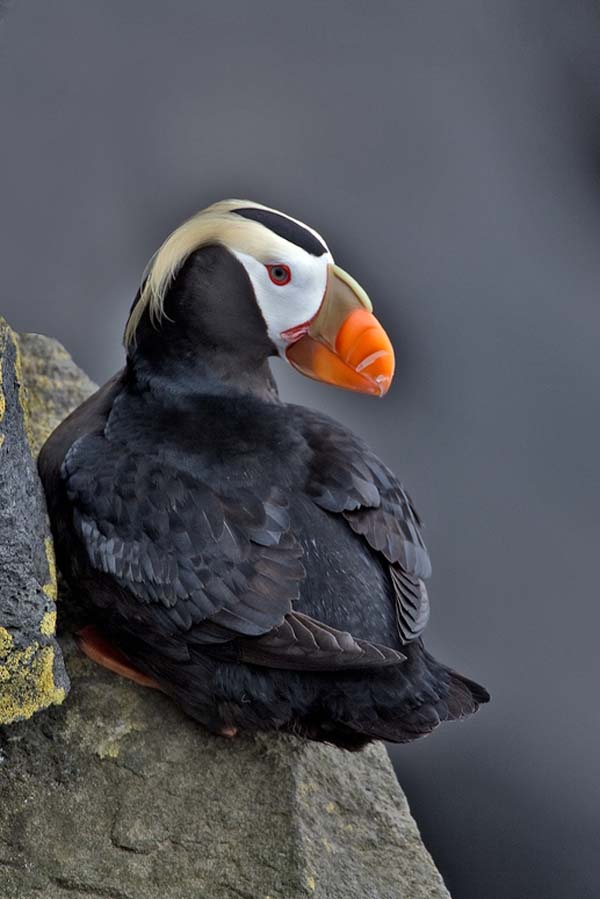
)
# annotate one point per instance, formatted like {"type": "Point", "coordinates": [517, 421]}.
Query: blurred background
{"type": "Point", "coordinates": [450, 155]}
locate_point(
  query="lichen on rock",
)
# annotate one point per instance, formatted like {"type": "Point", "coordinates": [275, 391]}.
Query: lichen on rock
{"type": "Point", "coordinates": [27, 678]}
{"type": "Point", "coordinates": [39, 385]}
{"type": "Point", "coordinates": [53, 383]}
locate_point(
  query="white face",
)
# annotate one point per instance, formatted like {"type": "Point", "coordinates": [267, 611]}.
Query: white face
{"type": "Point", "coordinates": [289, 291]}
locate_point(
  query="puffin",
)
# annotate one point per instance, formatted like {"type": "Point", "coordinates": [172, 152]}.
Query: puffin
{"type": "Point", "coordinates": [251, 558]}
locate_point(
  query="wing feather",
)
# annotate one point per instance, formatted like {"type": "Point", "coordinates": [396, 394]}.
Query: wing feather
{"type": "Point", "coordinates": [220, 571]}
{"type": "Point", "coordinates": [348, 479]}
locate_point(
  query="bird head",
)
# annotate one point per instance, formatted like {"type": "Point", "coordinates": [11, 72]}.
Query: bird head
{"type": "Point", "coordinates": [249, 278]}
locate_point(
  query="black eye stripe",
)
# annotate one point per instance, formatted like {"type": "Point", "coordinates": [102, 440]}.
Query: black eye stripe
{"type": "Point", "coordinates": [285, 228]}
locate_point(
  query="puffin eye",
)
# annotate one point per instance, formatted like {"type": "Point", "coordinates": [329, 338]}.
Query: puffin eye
{"type": "Point", "coordinates": [279, 274]}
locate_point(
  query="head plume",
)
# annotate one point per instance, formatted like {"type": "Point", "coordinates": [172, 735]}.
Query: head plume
{"type": "Point", "coordinates": [217, 224]}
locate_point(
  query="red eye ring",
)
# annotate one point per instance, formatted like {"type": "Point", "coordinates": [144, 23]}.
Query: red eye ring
{"type": "Point", "coordinates": [279, 274]}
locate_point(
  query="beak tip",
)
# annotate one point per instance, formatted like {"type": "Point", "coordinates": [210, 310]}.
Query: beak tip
{"type": "Point", "coordinates": [381, 385]}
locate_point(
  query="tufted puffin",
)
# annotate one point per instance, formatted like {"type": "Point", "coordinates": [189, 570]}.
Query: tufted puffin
{"type": "Point", "coordinates": [252, 559]}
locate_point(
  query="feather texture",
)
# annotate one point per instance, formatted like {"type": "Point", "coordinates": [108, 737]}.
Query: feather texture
{"type": "Point", "coordinates": [190, 559]}
{"type": "Point", "coordinates": [346, 477]}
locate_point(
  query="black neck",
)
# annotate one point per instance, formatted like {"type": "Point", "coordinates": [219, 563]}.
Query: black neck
{"type": "Point", "coordinates": [206, 371]}
{"type": "Point", "coordinates": [211, 339]}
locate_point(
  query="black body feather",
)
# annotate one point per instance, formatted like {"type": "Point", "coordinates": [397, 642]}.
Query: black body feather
{"type": "Point", "coordinates": [254, 557]}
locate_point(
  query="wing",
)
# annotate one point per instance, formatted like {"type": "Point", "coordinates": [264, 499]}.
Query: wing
{"type": "Point", "coordinates": [189, 561]}
{"type": "Point", "coordinates": [348, 479]}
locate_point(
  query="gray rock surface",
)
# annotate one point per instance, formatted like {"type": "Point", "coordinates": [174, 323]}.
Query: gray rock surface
{"type": "Point", "coordinates": [54, 385]}
{"type": "Point", "coordinates": [32, 674]}
{"type": "Point", "coordinates": [116, 794]}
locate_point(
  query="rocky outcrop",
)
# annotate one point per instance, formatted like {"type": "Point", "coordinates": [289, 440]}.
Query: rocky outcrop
{"type": "Point", "coordinates": [116, 794]}
{"type": "Point", "coordinates": [32, 674]}
{"type": "Point", "coordinates": [54, 385]}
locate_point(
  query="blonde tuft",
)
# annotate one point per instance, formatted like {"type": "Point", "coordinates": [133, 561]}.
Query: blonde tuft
{"type": "Point", "coordinates": [213, 225]}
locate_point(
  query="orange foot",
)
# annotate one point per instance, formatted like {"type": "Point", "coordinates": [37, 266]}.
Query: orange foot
{"type": "Point", "coordinates": [99, 650]}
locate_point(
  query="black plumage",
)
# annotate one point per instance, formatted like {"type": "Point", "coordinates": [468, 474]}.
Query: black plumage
{"type": "Point", "coordinates": [255, 558]}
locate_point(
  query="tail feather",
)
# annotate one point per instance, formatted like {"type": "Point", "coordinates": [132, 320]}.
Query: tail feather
{"type": "Point", "coordinates": [464, 697]}
{"type": "Point", "coordinates": [458, 697]}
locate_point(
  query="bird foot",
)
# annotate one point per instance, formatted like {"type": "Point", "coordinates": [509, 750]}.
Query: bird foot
{"type": "Point", "coordinates": [228, 732]}
{"type": "Point", "coordinates": [99, 650]}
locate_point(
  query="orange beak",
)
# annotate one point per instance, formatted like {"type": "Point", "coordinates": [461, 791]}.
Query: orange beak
{"type": "Point", "coordinates": [344, 344]}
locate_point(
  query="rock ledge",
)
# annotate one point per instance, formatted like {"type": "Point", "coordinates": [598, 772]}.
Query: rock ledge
{"type": "Point", "coordinates": [115, 793]}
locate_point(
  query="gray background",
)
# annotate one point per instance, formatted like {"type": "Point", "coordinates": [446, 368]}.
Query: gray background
{"type": "Point", "coordinates": [450, 154]}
